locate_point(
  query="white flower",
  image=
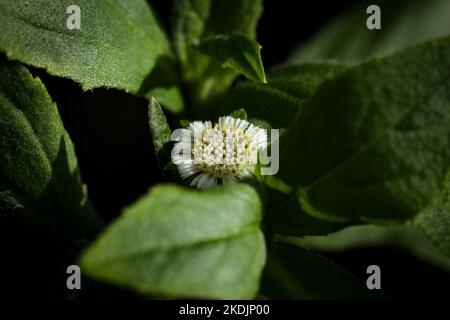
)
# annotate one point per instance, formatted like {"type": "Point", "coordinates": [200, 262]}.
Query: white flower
{"type": "Point", "coordinates": [219, 154]}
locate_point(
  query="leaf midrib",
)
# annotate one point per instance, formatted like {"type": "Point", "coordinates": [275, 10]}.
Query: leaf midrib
{"type": "Point", "coordinates": [251, 228]}
{"type": "Point", "coordinates": [117, 8]}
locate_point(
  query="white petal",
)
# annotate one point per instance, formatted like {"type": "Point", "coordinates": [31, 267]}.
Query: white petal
{"type": "Point", "coordinates": [212, 182]}
{"type": "Point", "coordinates": [203, 180]}
{"type": "Point", "coordinates": [194, 182]}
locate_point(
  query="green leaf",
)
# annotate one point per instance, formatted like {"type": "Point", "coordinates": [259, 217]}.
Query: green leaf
{"type": "Point", "coordinates": [278, 101]}
{"type": "Point", "coordinates": [164, 84]}
{"type": "Point", "coordinates": [261, 102]}
{"type": "Point", "coordinates": [302, 80]}
{"type": "Point", "coordinates": [179, 242]}
{"type": "Point", "coordinates": [188, 22]}
{"type": "Point", "coordinates": [403, 23]}
{"type": "Point", "coordinates": [194, 20]}
{"type": "Point", "coordinates": [239, 114]}
{"type": "Point", "coordinates": [236, 52]}
{"type": "Point", "coordinates": [293, 272]}
{"type": "Point", "coordinates": [117, 45]}
{"type": "Point", "coordinates": [434, 221]}
{"type": "Point", "coordinates": [374, 142]}
{"type": "Point", "coordinates": [160, 130]}
{"type": "Point", "coordinates": [162, 142]}
{"type": "Point", "coordinates": [197, 20]}
{"type": "Point", "coordinates": [39, 177]}
{"type": "Point", "coordinates": [184, 123]}
{"type": "Point", "coordinates": [404, 237]}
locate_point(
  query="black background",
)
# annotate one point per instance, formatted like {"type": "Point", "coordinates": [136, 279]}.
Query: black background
{"type": "Point", "coordinates": [113, 145]}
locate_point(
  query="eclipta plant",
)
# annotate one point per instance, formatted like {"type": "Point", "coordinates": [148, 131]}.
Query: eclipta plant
{"type": "Point", "coordinates": [344, 144]}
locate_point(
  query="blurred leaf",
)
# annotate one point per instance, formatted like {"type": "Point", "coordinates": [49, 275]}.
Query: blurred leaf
{"type": "Point", "coordinates": [184, 123]}
{"type": "Point", "coordinates": [236, 52]}
{"type": "Point", "coordinates": [278, 101]}
{"type": "Point", "coordinates": [404, 237]}
{"type": "Point", "coordinates": [403, 23]}
{"type": "Point", "coordinates": [194, 20]}
{"type": "Point", "coordinates": [262, 102]}
{"type": "Point", "coordinates": [164, 84]}
{"type": "Point", "coordinates": [435, 221]}
{"type": "Point", "coordinates": [293, 272]}
{"type": "Point", "coordinates": [239, 114]}
{"type": "Point", "coordinates": [117, 46]}
{"type": "Point", "coordinates": [178, 242]}
{"type": "Point", "coordinates": [39, 177]}
{"type": "Point", "coordinates": [302, 80]}
{"type": "Point", "coordinates": [197, 20]}
{"type": "Point", "coordinates": [374, 143]}
{"type": "Point", "coordinates": [289, 219]}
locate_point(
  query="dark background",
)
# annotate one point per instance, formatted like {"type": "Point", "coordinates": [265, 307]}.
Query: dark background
{"type": "Point", "coordinates": [113, 145]}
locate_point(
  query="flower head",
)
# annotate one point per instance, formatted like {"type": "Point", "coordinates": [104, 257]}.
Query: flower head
{"type": "Point", "coordinates": [218, 154]}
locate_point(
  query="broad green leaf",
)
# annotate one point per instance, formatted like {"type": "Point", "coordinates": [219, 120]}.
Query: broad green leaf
{"type": "Point", "coordinates": [293, 272]}
{"type": "Point", "coordinates": [179, 242]}
{"type": "Point", "coordinates": [434, 221]}
{"type": "Point", "coordinates": [39, 177]}
{"type": "Point", "coordinates": [374, 142]}
{"type": "Point", "coordinates": [197, 20]}
{"type": "Point", "coordinates": [403, 23]}
{"type": "Point", "coordinates": [405, 237]}
{"type": "Point", "coordinates": [117, 45]}
{"type": "Point", "coordinates": [236, 52]}
{"type": "Point", "coordinates": [279, 100]}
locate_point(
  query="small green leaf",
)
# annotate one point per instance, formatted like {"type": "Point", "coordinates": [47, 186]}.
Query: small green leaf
{"type": "Point", "coordinates": [434, 221]}
{"type": "Point", "coordinates": [403, 23]}
{"type": "Point", "coordinates": [236, 52]}
{"type": "Point", "coordinates": [179, 242]}
{"type": "Point", "coordinates": [39, 177]}
{"type": "Point", "coordinates": [293, 272]}
{"type": "Point", "coordinates": [185, 123]}
{"type": "Point", "coordinates": [374, 142]}
{"type": "Point", "coordinates": [239, 114]}
{"type": "Point", "coordinates": [117, 45]}
{"type": "Point", "coordinates": [161, 135]}
{"type": "Point", "coordinates": [160, 130]}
